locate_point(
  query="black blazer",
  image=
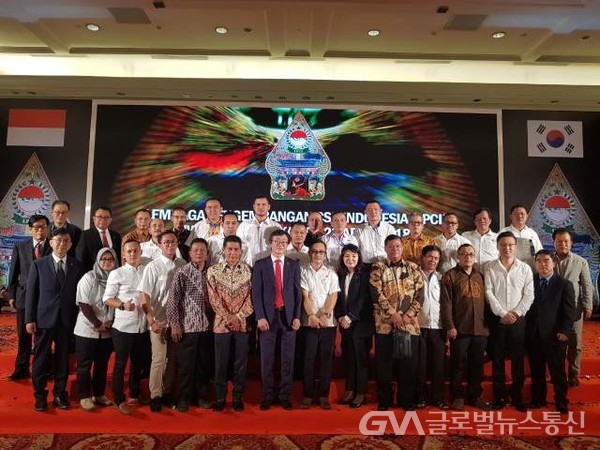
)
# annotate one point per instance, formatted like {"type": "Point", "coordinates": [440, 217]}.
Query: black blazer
{"type": "Point", "coordinates": [90, 243]}
{"type": "Point", "coordinates": [358, 305]}
{"type": "Point", "coordinates": [553, 311]}
{"type": "Point", "coordinates": [263, 289]}
{"type": "Point", "coordinates": [20, 263]}
{"type": "Point", "coordinates": [45, 302]}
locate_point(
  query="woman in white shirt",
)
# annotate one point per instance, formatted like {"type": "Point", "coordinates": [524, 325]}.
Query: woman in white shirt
{"type": "Point", "coordinates": [93, 342]}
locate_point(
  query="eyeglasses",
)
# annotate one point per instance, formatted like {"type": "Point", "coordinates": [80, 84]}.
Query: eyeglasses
{"type": "Point", "coordinates": [279, 242]}
{"type": "Point", "coordinates": [39, 227]}
{"type": "Point", "coordinates": [416, 223]}
{"type": "Point", "coordinates": [60, 213]}
{"type": "Point", "coordinates": [318, 252]}
{"type": "Point", "coordinates": [62, 241]}
{"type": "Point", "coordinates": [107, 259]}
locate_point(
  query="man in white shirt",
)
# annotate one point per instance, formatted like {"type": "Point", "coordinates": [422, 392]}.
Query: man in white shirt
{"type": "Point", "coordinates": [482, 238]}
{"type": "Point", "coordinates": [210, 229]}
{"type": "Point", "coordinates": [320, 287]}
{"type": "Point", "coordinates": [449, 241]}
{"type": "Point", "coordinates": [231, 224]}
{"type": "Point", "coordinates": [372, 235]}
{"type": "Point", "coordinates": [432, 348]}
{"type": "Point", "coordinates": [130, 334]}
{"type": "Point", "coordinates": [255, 233]}
{"type": "Point", "coordinates": [337, 238]}
{"type": "Point", "coordinates": [577, 270]}
{"type": "Point", "coordinates": [296, 248]}
{"type": "Point", "coordinates": [528, 241]}
{"type": "Point", "coordinates": [509, 292]}
{"type": "Point", "coordinates": [154, 291]}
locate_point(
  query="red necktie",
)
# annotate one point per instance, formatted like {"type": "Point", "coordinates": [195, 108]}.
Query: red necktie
{"type": "Point", "coordinates": [38, 251]}
{"type": "Point", "coordinates": [278, 285]}
{"type": "Point", "coordinates": [104, 240]}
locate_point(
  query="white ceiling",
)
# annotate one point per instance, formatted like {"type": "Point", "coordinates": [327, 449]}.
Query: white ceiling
{"type": "Point", "coordinates": [550, 57]}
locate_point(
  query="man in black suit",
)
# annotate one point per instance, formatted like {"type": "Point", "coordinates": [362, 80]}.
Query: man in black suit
{"type": "Point", "coordinates": [97, 237]}
{"type": "Point", "coordinates": [549, 321]}
{"type": "Point", "coordinates": [60, 212]}
{"type": "Point", "coordinates": [277, 299]}
{"type": "Point", "coordinates": [24, 253]}
{"type": "Point", "coordinates": [49, 313]}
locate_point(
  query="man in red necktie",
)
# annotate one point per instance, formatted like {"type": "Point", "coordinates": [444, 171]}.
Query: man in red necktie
{"type": "Point", "coordinates": [97, 237]}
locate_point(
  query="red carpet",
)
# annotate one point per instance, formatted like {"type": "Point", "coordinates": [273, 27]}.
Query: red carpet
{"type": "Point", "coordinates": [300, 429]}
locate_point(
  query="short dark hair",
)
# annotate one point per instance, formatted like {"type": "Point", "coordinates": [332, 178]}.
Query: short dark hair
{"type": "Point", "coordinates": [279, 232]}
{"type": "Point", "coordinates": [36, 218]}
{"type": "Point", "coordinates": [60, 232]}
{"type": "Point", "coordinates": [178, 208]}
{"type": "Point", "coordinates": [505, 234]}
{"type": "Point", "coordinates": [262, 196]}
{"type": "Point", "coordinates": [213, 199]}
{"type": "Point", "coordinates": [164, 233]}
{"type": "Point", "coordinates": [232, 238]}
{"type": "Point", "coordinates": [463, 246]}
{"type": "Point", "coordinates": [431, 248]}
{"type": "Point", "coordinates": [131, 241]}
{"type": "Point", "coordinates": [317, 241]}
{"type": "Point", "coordinates": [561, 231]}
{"type": "Point", "coordinates": [298, 224]}
{"type": "Point", "coordinates": [482, 209]}
{"type": "Point", "coordinates": [61, 202]}
{"type": "Point", "coordinates": [143, 210]}
{"type": "Point", "coordinates": [199, 241]}
{"type": "Point", "coordinates": [372, 200]}
{"type": "Point", "coordinates": [544, 252]}
{"type": "Point", "coordinates": [390, 238]}
{"type": "Point", "coordinates": [231, 213]}
{"type": "Point", "coordinates": [517, 205]}
{"type": "Point", "coordinates": [103, 208]}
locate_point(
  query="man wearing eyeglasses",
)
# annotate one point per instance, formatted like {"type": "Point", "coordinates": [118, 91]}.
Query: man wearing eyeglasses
{"type": "Point", "coordinates": [49, 315]}
{"type": "Point", "coordinates": [415, 241]}
{"type": "Point", "coordinates": [97, 237]}
{"type": "Point", "coordinates": [320, 287]}
{"type": "Point", "coordinates": [449, 241]}
{"type": "Point", "coordinates": [23, 256]}
{"type": "Point", "coordinates": [277, 300]}
{"type": "Point", "coordinates": [509, 292]}
{"type": "Point", "coordinates": [154, 292]}
{"type": "Point", "coordinates": [60, 211]}
{"type": "Point", "coordinates": [463, 317]}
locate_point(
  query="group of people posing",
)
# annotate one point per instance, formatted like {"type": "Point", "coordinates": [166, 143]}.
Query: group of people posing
{"type": "Point", "coordinates": [184, 306]}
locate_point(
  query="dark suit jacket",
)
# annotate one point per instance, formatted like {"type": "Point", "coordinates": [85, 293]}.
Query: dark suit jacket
{"type": "Point", "coordinates": [90, 243]}
{"type": "Point", "coordinates": [20, 263]}
{"type": "Point", "coordinates": [45, 302]}
{"type": "Point", "coordinates": [552, 312]}
{"type": "Point", "coordinates": [358, 305]}
{"type": "Point", "coordinates": [74, 232]}
{"type": "Point", "coordinates": [263, 289]}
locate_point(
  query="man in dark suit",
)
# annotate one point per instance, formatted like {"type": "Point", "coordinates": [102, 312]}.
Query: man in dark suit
{"type": "Point", "coordinates": [549, 321]}
{"type": "Point", "coordinates": [61, 209]}
{"type": "Point", "coordinates": [97, 237]}
{"type": "Point", "coordinates": [49, 313]}
{"type": "Point", "coordinates": [277, 299]}
{"type": "Point", "coordinates": [24, 253]}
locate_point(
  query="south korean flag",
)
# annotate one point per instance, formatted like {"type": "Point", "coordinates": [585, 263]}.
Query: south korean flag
{"type": "Point", "coordinates": [554, 139]}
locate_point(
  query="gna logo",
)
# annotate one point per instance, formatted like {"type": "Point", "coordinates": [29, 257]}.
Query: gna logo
{"type": "Point", "coordinates": [378, 423]}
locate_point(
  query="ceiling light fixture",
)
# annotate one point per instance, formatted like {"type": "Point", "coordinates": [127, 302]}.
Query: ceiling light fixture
{"type": "Point", "coordinates": [92, 27]}
{"type": "Point", "coordinates": [498, 34]}
{"type": "Point", "coordinates": [221, 30]}
{"type": "Point", "coordinates": [374, 33]}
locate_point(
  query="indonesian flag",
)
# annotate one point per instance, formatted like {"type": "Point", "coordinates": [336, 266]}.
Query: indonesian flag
{"type": "Point", "coordinates": [36, 127]}
{"type": "Point", "coordinates": [553, 139]}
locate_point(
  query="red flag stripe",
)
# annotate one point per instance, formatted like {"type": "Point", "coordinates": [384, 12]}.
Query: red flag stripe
{"type": "Point", "coordinates": [37, 118]}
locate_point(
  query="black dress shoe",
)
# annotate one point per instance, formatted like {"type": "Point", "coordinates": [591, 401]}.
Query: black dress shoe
{"type": "Point", "coordinates": [61, 403]}
{"type": "Point", "coordinates": [347, 398]}
{"type": "Point", "coordinates": [480, 404]}
{"type": "Point", "coordinates": [286, 404]}
{"type": "Point", "coordinates": [41, 404]}
{"type": "Point", "coordinates": [562, 409]}
{"type": "Point", "coordinates": [421, 404]}
{"type": "Point", "coordinates": [383, 407]}
{"type": "Point", "coordinates": [238, 405]}
{"type": "Point", "coordinates": [573, 382]}
{"type": "Point", "coordinates": [266, 404]}
{"type": "Point", "coordinates": [409, 407]}
{"type": "Point", "coordinates": [19, 375]}
{"type": "Point", "coordinates": [499, 404]}
{"type": "Point", "coordinates": [442, 405]}
{"type": "Point", "coordinates": [520, 406]}
{"type": "Point", "coordinates": [358, 401]}
{"type": "Point", "coordinates": [156, 404]}
{"type": "Point", "coordinates": [183, 406]}
{"type": "Point", "coordinates": [218, 406]}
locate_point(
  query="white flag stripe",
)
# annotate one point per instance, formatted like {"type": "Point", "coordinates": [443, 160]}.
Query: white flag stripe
{"type": "Point", "coordinates": [35, 137]}
{"type": "Point", "coordinates": [554, 139]}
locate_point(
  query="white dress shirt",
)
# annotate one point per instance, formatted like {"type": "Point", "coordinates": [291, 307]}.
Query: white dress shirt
{"type": "Point", "coordinates": [508, 290]}
{"type": "Point", "coordinates": [123, 285]}
{"type": "Point", "coordinates": [156, 282]}
{"type": "Point", "coordinates": [319, 283]}
{"type": "Point", "coordinates": [429, 316]}
{"type": "Point", "coordinates": [371, 241]}
{"type": "Point", "coordinates": [256, 236]}
{"type": "Point", "coordinates": [90, 292]}
{"type": "Point", "coordinates": [449, 250]}
{"type": "Point", "coordinates": [485, 245]}
{"type": "Point", "coordinates": [215, 240]}
{"type": "Point", "coordinates": [335, 244]}
{"type": "Point", "coordinates": [528, 244]}
{"type": "Point", "coordinates": [152, 251]}
{"type": "Point", "coordinates": [299, 255]}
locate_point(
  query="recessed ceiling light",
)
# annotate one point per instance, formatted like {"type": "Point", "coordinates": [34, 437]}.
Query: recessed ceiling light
{"type": "Point", "coordinates": [498, 34]}
{"type": "Point", "coordinates": [92, 27]}
{"type": "Point", "coordinates": [373, 32]}
{"type": "Point", "coordinates": [221, 30]}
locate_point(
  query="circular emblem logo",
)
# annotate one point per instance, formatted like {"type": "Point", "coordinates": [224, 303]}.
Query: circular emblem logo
{"type": "Point", "coordinates": [298, 139]}
{"type": "Point", "coordinates": [555, 138]}
{"type": "Point", "coordinates": [559, 209]}
{"type": "Point", "coordinates": [30, 197]}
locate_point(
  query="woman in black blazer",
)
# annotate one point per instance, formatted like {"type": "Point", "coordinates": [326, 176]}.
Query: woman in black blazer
{"type": "Point", "coordinates": [354, 313]}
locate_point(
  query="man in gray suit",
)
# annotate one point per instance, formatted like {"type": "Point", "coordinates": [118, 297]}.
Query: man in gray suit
{"type": "Point", "coordinates": [575, 269]}
{"type": "Point", "coordinates": [23, 256]}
